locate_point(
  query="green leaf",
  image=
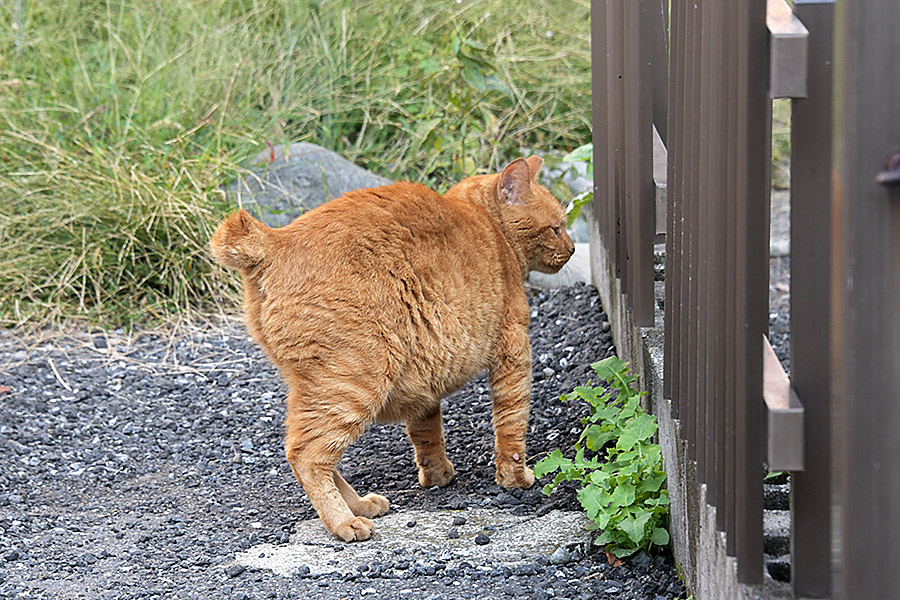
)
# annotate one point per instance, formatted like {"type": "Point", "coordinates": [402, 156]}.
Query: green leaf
{"type": "Point", "coordinates": [609, 367]}
{"type": "Point", "coordinates": [588, 394]}
{"type": "Point", "coordinates": [429, 66]}
{"type": "Point", "coordinates": [553, 462]}
{"type": "Point", "coordinates": [623, 495]}
{"type": "Point", "coordinates": [640, 428]}
{"type": "Point", "coordinates": [634, 527]}
{"type": "Point", "coordinates": [592, 500]}
{"type": "Point", "coordinates": [578, 203]}
{"type": "Point", "coordinates": [659, 537]}
{"type": "Point", "coordinates": [651, 483]}
{"type": "Point", "coordinates": [474, 77]}
{"type": "Point", "coordinates": [581, 153]}
{"type": "Point", "coordinates": [623, 551]}
{"type": "Point", "coordinates": [595, 437]}
{"type": "Point", "coordinates": [599, 478]}
{"type": "Point", "coordinates": [492, 82]}
{"type": "Point", "coordinates": [605, 538]}
{"type": "Point", "coordinates": [773, 475]}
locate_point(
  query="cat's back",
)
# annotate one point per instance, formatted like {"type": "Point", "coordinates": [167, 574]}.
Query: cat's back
{"type": "Point", "coordinates": [370, 233]}
{"type": "Point", "coordinates": [399, 277]}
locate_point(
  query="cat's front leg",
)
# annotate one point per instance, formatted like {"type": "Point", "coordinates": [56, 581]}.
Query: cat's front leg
{"type": "Point", "coordinates": [427, 435]}
{"type": "Point", "coordinates": [510, 380]}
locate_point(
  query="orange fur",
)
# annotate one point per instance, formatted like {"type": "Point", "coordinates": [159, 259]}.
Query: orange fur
{"type": "Point", "coordinates": [376, 305]}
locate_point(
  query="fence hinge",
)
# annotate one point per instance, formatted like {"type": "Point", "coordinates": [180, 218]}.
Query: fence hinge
{"type": "Point", "coordinates": [788, 53]}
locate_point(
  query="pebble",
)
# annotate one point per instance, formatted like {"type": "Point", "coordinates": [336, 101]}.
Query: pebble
{"type": "Point", "coordinates": [482, 539]}
{"type": "Point", "coordinates": [548, 372]}
{"type": "Point", "coordinates": [411, 524]}
{"type": "Point", "coordinates": [235, 570]}
{"type": "Point", "coordinates": [560, 556]}
{"type": "Point", "coordinates": [453, 534]}
{"type": "Point", "coordinates": [459, 521]}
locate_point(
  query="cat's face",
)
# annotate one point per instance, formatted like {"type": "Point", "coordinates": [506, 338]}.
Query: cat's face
{"type": "Point", "coordinates": [537, 218]}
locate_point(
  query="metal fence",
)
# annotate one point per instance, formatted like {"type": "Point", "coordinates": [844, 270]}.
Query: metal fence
{"type": "Point", "coordinates": [703, 77]}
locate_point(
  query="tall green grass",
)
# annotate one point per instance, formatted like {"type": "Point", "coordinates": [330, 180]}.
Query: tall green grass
{"type": "Point", "coordinates": [121, 120]}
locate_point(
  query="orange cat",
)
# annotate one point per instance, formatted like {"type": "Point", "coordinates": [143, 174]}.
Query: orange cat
{"type": "Point", "coordinates": [376, 305]}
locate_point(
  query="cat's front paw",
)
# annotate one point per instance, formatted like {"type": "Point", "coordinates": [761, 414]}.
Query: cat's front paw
{"type": "Point", "coordinates": [356, 529]}
{"type": "Point", "coordinates": [514, 475]}
{"type": "Point", "coordinates": [436, 472]}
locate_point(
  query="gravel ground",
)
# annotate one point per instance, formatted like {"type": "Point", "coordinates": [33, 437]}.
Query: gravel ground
{"type": "Point", "coordinates": [137, 467]}
{"type": "Point", "coordinates": [780, 309]}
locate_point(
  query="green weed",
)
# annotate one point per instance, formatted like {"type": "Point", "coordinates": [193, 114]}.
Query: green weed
{"type": "Point", "coordinates": [622, 484]}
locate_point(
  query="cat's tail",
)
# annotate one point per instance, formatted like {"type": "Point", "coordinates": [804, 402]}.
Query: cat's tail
{"type": "Point", "coordinates": [240, 242]}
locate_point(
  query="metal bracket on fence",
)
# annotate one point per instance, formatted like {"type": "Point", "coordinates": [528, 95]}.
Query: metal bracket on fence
{"type": "Point", "coordinates": [660, 174]}
{"type": "Point", "coordinates": [787, 47]}
{"type": "Point", "coordinates": [784, 418]}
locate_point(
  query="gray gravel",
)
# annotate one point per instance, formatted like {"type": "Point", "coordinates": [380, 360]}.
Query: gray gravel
{"type": "Point", "coordinates": [139, 467]}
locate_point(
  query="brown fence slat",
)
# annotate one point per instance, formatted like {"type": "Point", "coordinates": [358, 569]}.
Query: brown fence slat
{"type": "Point", "coordinates": [599, 104]}
{"type": "Point", "coordinates": [753, 249]}
{"type": "Point", "coordinates": [701, 262]}
{"type": "Point", "coordinates": [866, 303]}
{"type": "Point", "coordinates": [811, 132]}
{"type": "Point", "coordinates": [672, 324]}
{"type": "Point", "coordinates": [644, 227]}
{"type": "Point", "coordinates": [629, 199]}
{"type": "Point", "coordinates": [689, 335]}
{"type": "Point", "coordinates": [731, 323]}
{"type": "Point", "coordinates": [714, 250]}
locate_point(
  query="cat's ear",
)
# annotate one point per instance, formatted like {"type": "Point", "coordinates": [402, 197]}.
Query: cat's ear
{"type": "Point", "coordinates": [534, 165]}
{"type": "Point", "coordinates": [514, 183]}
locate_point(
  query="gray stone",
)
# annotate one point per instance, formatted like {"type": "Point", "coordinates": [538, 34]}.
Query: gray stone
{"type": "Point", "coordinates": [235, 570]}
{"type": "Point", "coordinates": [516, 540]}
{"type": "Point", "coordinates": [302, 177]}
{"type": "Point", "coordinates": [560, 556]}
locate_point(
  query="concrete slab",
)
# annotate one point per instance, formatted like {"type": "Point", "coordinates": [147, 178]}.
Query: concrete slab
{"type": "Point", "coordinates": [515, 540]}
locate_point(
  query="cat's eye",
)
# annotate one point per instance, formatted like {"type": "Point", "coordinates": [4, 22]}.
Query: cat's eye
{"type": "Point", "coordinates": [556, 230]}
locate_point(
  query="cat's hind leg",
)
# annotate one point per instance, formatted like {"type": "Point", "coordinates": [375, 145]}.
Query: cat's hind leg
{"type": "Point", "coordinates": [315, 440]}
{"type": "Point", "coordinates": [427, 436]}
{"type": "Point", "coordinates": [370, 505]}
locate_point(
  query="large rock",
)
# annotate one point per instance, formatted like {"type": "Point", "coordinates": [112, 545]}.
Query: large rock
{"type": "Point", "coordinates": [302, 177]}
{"type": "Point", "coordinates": [514, 540]}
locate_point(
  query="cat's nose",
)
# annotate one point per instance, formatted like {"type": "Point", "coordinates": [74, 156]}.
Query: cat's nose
{"type": "Point", "coordinates": [571, 249]}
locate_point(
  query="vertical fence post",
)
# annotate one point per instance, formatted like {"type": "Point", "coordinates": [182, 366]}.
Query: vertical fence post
{"type": "Point", "coordinates": [754, 108]}
{"type": "Point", "coordinates": [865, 365]}
{"type": "Point", "coordinates": [643, 193]}
{"type": "Point", "coordinates": [811, 131]}
{"type": "Point", "coordinates": [600, 132]}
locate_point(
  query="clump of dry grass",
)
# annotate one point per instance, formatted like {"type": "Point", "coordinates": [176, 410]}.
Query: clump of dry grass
{"type": "Point", "coordinates": [120, 122]}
